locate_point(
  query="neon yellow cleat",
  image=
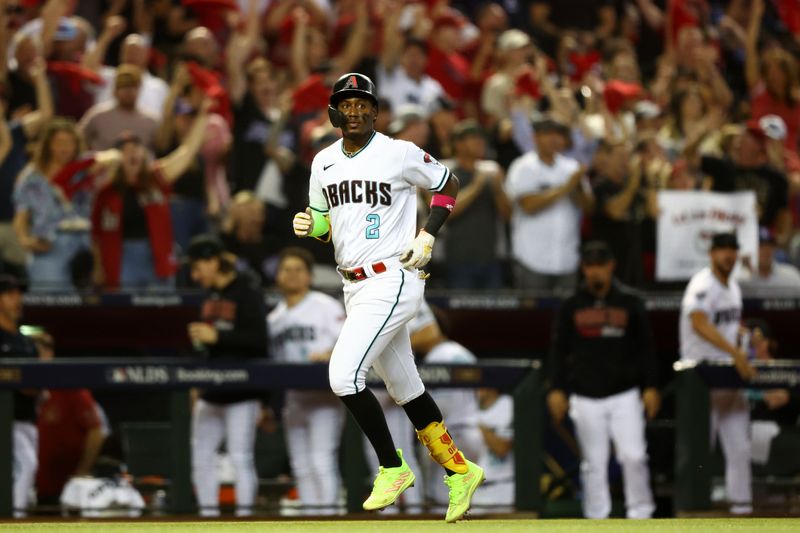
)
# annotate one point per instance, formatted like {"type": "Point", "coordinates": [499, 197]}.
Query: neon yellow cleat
{"type": "Point", "coordinates": [389, 484]}
{"type": "Point", "coordinates": [462, 487]}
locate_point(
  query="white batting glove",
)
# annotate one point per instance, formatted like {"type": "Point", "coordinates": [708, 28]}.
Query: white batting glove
{"type": "Point", "coordinates": [419, 253]}
{"type": "Point", "coordinates": [303, 223]}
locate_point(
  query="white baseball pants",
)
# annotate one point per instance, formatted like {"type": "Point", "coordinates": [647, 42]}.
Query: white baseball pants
{"type": "Point", "coordinates": [375, 334]}
{"type": "Point", "coordinates": [730, 420]}
{"type": "Point", "coordinates": [236, 425]}
{"type": "Point", "coordinates": [618, 418]}
{"type": "Point", "coordinates": [313, 422]}
{"type": "Point", "coordinates": [26, 444]}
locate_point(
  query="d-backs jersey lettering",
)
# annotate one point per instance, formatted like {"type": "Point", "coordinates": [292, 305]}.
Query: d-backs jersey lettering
{"type": "Point", "coordinates": [371, 196]}
{"type": "Point", "coordinates": [722, 305]}
{"type": "Point", "coordinates": [311, 326]}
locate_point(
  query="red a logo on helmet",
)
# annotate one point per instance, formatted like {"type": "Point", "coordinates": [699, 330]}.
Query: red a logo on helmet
{"type": "Point", "coordinates": [352, 83]}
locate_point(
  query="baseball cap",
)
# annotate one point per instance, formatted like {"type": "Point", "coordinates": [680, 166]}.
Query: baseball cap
{"type": "Point", "coordinates": [769, 126]}
{"type": "Point", "coordinates": [618, 92]}
{"type": "Point", "coordinates": [724, 240]}
{"type": "Point", "coordinates": [646, 109]}
{"type": "Point", "coordinates": [512, 39]}
{"type": "Point", "coordinates": [10, 282]}
{"type": "Point", "coordinates": [761, 324]}
{"type": "Point", "coordinates": [66, 30]}
{"type": "Point", "coordinates": [204, 246]}
{"type": "Point", "coordinates": [466, 128]}
{"type": "Point", "coordinates": [596, 253]}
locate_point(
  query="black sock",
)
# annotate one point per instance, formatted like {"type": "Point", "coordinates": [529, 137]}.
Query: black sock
{"type": "Point", "coordinates": [367, 411]}
{"type": "Point", "coordinates": [423, 410]}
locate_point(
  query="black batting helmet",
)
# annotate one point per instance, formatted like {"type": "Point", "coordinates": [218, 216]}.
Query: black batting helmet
{"type": "Point", "coordinates": [350, 85]}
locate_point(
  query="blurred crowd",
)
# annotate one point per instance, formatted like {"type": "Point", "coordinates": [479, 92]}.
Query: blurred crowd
{"type": "Point", "coordinates": [130, 126]}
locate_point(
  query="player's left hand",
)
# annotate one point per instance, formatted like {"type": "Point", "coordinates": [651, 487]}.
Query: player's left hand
{"type": "Point", "coordinates": [652, 402]}
{"type": "Point", "coordinates": [200, 332]}
{"type": "Point", "coordinates": [419, 253]}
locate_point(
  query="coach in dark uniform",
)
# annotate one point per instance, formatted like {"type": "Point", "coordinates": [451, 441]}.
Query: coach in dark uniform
{"type": "Point", "coordinates": [602, 355]}
{"type": "Point", "coordinates": [232, 326]}
{"type": "Point", "coordinates": [15, 344]}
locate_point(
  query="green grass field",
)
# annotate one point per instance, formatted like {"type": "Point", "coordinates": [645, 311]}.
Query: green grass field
{"type": "Point", "coordinates": [419, 526]}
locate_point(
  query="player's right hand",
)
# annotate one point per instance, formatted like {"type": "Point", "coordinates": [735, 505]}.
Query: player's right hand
{"type": "Point", "coordinates": [558, 404]}
{"type": "Point", "coordinates": [419, 252]}
{"type": "Point", "coordinates": [303, 223]}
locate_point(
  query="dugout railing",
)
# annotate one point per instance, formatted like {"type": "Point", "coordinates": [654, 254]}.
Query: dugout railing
{"type": "Point", "coordinates": [178, 375]}
{"type": "Point", "coordinates": [693, 454]}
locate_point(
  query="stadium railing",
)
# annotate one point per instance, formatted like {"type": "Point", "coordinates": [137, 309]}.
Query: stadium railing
{"type": "Point", "coordinates": [693, 454]}
{"type": "Point", "coordinates": [178, 375]}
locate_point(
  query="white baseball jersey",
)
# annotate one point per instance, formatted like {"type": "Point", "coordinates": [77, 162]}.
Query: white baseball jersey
{"type": "Point", "coordinates": [723, 306]}
{"type": "Point", "coordinates": [371, 196]}
{"type": "Point", "coordinates": [548, 240]}
{"type": "Point", "coordinates": [311, 326]}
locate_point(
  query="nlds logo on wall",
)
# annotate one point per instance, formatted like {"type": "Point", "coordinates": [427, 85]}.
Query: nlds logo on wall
{"type": "Point", "coordinates": [139, 374]}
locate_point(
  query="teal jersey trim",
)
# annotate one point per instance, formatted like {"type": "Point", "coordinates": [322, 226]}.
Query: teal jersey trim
{"type": "Point", "coordinates": [360, 149]}
{"type": "Point", "coordinates": [397, 299]}
{"type": "Point", "coordinates": [444, 179]}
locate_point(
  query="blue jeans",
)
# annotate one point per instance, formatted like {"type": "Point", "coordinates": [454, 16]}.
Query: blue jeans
{"type": "Point", "coordinates": [189, 219]}
{"type": "Point", "coordinates": [475, 275]}
{"type": "Point", "coordinates": [138, 267]}
{"type": "Point", "coordinates": [51, 270]}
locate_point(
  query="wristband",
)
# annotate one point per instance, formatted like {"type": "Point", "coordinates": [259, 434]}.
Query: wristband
{"type": "Point", "coordinates": [320, 225]}
{"type": "Point", "coordinates": [442, 200]}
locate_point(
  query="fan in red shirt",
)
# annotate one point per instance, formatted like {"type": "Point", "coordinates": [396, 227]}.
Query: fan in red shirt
{"type": "Point", "coordinates": [772, 79]}
{"type": "Point", "coordinates": [445, 64]}
{"type": "Point", "coordinates": [131, 222]}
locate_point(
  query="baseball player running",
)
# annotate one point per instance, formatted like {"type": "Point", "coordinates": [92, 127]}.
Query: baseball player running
{"type": "Point", "coordinates": [362, 196]}
{"type": "Point", "coordinates": [303, 328]}
{"type": "Point", "coordinates": [711, 312]}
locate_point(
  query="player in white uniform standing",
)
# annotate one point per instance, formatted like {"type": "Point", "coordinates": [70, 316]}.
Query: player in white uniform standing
{"type": "Point", "coordinates": [709, 326]}
{"type": "Point", "coordinates": [303, 328]}
{"type": "Point", "coordinates": [362, 195]}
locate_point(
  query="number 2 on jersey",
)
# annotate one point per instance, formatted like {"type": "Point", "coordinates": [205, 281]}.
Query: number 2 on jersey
{"type": "Point", "coordinates": [373, 231]}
